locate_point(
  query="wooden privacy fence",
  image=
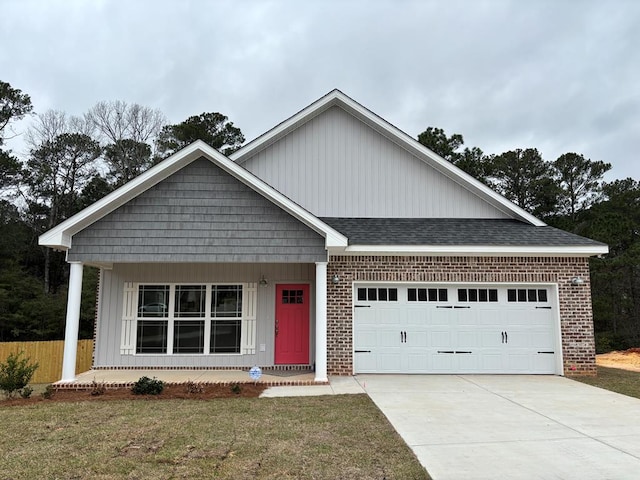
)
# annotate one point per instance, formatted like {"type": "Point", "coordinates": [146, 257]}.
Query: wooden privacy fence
{"type": "Point", "coordinates": [49, 357]}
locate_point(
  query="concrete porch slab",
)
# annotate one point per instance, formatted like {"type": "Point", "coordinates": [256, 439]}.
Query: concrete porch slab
{"type": "Point", "coordinates": [113, 378]}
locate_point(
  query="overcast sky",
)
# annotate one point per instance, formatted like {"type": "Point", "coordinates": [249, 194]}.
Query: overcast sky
{"type": "Point", "coordinates": [560, 76]}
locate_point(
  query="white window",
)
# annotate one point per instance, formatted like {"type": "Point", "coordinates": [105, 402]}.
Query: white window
{"type": "Point", "coordinates": [192, 319]}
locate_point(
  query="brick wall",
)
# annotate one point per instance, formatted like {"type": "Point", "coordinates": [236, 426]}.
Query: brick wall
{"type": "Point", "coordinates": [576, 319]}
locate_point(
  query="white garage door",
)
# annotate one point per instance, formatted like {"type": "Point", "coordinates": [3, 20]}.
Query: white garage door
{"type": "Point", "coordinates": [455, 329]}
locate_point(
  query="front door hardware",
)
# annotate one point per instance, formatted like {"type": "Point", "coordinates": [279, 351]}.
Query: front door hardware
{"type": "Point", "coordinates": [363, 351]}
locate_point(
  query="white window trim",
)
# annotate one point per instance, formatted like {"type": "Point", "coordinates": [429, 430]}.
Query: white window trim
{"type": "Point", "coordinates": [130, 318]}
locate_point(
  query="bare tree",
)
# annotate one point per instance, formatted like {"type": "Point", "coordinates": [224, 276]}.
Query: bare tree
{"type": "Point", "coordinates": [118, 120]}
{"type": "Point", "coordinates": [127, 132]}
{"type": "Point", "coordinates": [51, 124]}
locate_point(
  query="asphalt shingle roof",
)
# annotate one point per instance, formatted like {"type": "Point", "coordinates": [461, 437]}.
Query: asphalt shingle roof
{"type": "Point", "coordinates": [452, 231]}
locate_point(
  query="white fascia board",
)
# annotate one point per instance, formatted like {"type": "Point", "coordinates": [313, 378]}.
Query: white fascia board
{"type": "Point", "coordinates": [284, 127]}
{"type": "Point", "coordinates": [476, 250]}
{"type": "Point", "coordinates": [459, 176]}
{"type": "Point", "coordinates": [60, 237]}
{"type": "Point", "coordinates": [336, 97]}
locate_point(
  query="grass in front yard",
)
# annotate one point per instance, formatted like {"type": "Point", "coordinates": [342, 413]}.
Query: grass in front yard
{"type": "Point", "coordinates": [329, 437]}
{"type": "Point", "coordinates": [616, 380]}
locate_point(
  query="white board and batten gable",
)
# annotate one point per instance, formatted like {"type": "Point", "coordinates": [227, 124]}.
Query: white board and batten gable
{"type": "Point", "coordinates": [337, 159]}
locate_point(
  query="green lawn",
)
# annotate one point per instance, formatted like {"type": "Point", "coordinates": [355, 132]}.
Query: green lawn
{"type": "Point", "coordinates": [616, 380]}
{"type": "Point", "coordinates": [329, 437]}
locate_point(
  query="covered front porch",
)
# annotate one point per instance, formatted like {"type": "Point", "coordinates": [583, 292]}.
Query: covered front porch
{"type": "Point", "coordinates": [126, 309]}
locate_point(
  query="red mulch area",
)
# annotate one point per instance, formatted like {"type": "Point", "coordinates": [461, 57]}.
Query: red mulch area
{"type": "Point", "coordinates": [198, 392]}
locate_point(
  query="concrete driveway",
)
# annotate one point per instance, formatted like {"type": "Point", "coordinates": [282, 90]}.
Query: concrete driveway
{"type": "Point", "coordinates": [511, 427]}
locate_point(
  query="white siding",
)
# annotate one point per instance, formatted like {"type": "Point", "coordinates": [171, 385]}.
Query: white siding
{"type": "Point", "coordinates": [109, 324]}
{"type": "Point", "coordinates": [336, 166]}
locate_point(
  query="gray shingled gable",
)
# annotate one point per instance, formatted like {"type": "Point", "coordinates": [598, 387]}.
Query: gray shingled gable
{"type": "Point", "coordinates": [198, 214]}
{"type": "Point", "coordinates": [452, 231]}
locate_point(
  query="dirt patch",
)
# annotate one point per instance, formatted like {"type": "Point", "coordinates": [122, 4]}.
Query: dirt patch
{"type": "Point", "coordinates": [626, 359]}
{"type": "Point", "coordinates": [203, 392]}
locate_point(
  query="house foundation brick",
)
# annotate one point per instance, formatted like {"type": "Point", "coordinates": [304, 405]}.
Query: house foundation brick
{"type": "Point", "coordinates": [576, 318]}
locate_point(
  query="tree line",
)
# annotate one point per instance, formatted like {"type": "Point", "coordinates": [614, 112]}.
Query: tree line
{"type": "Point", "coordinates": [72, 161]}
{"type": "Point", "coordinates": [570, 193]}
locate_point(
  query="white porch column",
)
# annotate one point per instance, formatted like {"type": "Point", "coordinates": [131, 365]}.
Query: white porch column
{"type": "Point", "coordinates": [72, 323]}
{"type": "Point", "coordinates": [321, 322]}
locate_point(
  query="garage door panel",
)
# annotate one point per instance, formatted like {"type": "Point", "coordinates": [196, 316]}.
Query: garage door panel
{"type": "Point", "coordinates": [366, 339]}
{"type": "Point", "coordinates": [442, 339]}
{"type": "Point", "coordinates": [503, 336]}
{"type": "Point", "coordinates": [466, 317]}
{"type": "Point", "coordinates": [518, 338]}
{"type": "Point", "coordinates": [388, 315]}
{"type": "Point", "coordinates": [417, 317]}
{"type": "Point", "coordinates": [490, 338]}
{"type": "Point", "coordinates": [541, 340]}
{"type": "Point", "coordinates": [519, 361]}
{"type": "Point", "coordinates": [389, 362]}
{"type": "Point", "coordinates": [491, 361]}
{"type": "Point", "coordinates": [417, 362]}
{"type": "Point", "coordinates": [467, 339]}
{"type": "Point", "coordinates": [468, 362]}
{"type": "Point", "coordinates": [443, 363]}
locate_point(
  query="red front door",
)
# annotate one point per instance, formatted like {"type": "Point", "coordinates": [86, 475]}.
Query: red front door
{"type": "Point", "coordinates": [292, 324]}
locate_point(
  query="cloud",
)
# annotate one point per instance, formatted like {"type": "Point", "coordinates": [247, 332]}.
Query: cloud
{"type": "Point", "coordinates": [557, 75]}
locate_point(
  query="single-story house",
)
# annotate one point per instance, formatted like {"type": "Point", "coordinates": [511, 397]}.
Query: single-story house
{"type": "Point", "coordinates": [336, 242]}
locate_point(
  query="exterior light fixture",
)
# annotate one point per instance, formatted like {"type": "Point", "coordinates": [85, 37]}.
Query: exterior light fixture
{"type": "Point", "coordinates": [263, 281]}
{"type": "Point", "coordinates": [335, 279]}
{"type": "Point", "coordinates": [577, 281]}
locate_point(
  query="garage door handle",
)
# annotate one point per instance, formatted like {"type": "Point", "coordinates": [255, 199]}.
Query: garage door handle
{"type": "Point", "coordinates": [548, 352]}
{"type": "Point", "coordinates": [506, 337]}
{"type": "Point", "coordinates": [363, 351]}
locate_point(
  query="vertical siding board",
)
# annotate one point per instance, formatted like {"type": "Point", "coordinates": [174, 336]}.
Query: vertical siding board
{"type": "Point", "coordinates": [336, 184]}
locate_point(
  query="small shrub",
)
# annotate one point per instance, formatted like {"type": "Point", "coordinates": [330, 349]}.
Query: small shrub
{"type": "Point", "coordinates": [48, 392]}
{"type": "Point", "coordinates": [97, 389]}
{"type": "Point", "coordinates": [193, 387]}
{"type": "Point", "coordinates": [26, 392]}
{"type": "Point", "coordinates": [15, 374]}
{"type": "Point", "coordinates": [147, 386]}
{"type": "Point", "coordinates": [236, 388]}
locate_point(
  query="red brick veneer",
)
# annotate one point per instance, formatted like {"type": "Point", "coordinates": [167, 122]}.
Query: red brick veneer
{"type": "Point", "coordinates": [575, 300]}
